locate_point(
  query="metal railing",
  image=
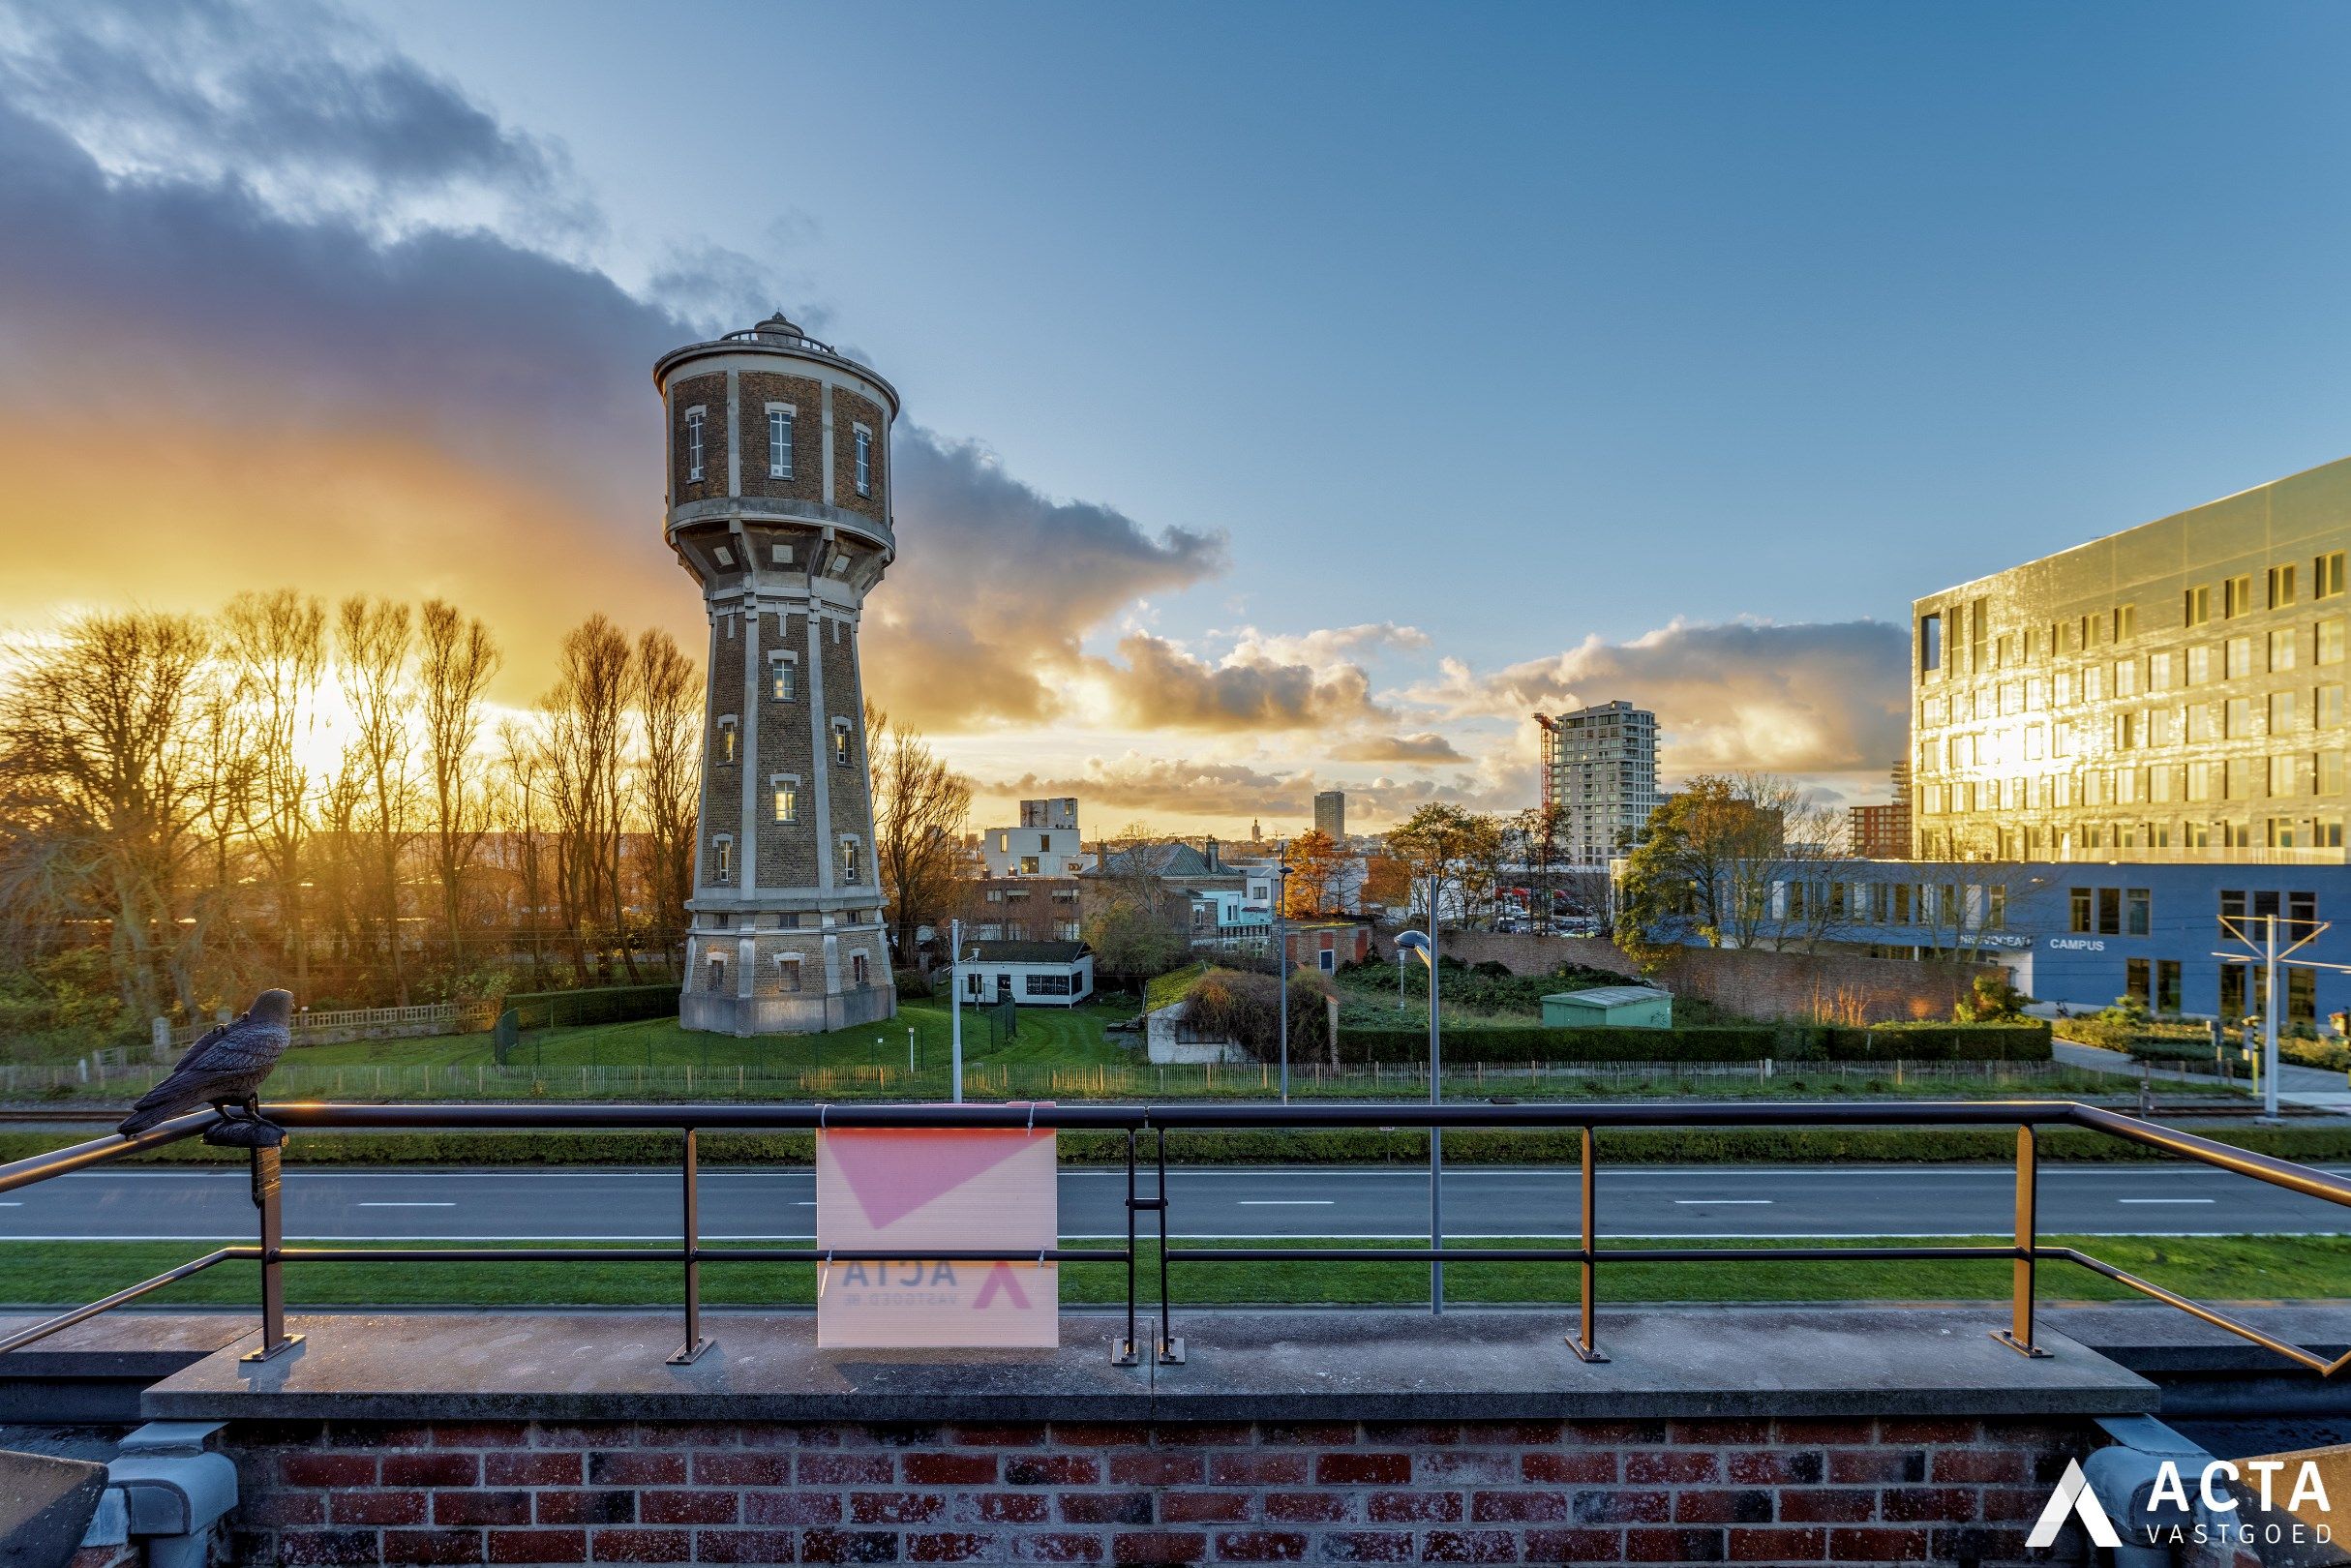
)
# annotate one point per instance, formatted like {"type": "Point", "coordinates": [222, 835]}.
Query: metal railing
{"type": "Point", "coordinates": [2025, 1252]}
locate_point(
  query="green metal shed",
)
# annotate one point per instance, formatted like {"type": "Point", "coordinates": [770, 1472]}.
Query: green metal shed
{"type": "Point", "coordinates": [1620, 1006]}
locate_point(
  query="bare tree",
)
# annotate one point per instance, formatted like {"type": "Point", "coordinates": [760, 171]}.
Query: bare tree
{"type": "Point", "coordinates": [455, 659]}
{"type": "Point", "coordinates": [668, 695]}
{"type": "Point", "coordinates": [920, 806]}
{"type": "Point", "coordinates": [586, 731]}
{"type": "Point", "coordinates": [276, 643]}
{"type": "Point", "coordinates": [520, 813]}
{"type": "Point", "coordinates": [373, 643]}
{"type": "Point", "coordinates": [103, 730]}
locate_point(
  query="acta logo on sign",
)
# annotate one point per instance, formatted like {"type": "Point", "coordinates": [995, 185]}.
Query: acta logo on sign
{"type": "Point", "coordinates": [2178, 1517]}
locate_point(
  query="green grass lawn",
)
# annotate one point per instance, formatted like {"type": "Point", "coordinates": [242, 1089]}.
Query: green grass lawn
{"type": "Point", "coordinates": [2258, 1268]}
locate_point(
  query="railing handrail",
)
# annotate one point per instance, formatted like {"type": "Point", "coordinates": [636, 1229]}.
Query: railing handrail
{"type": "Point", "coordinates": [1136, 1120]}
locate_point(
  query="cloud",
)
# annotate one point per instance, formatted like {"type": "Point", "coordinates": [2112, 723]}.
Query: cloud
{"type": "Point", "coordinates": [298, 104]}
{"type": "Point", "coordinates": [1421, 749]}
{"type": "Point", "coordinates": [439, 409]}
{"type": "Point", "coordinates": [996, 585]}
{"type": "Point", "coordinates": [1802, 699]}
{"type": "Point", "coordinates": [1135, 783]}
{"type": "Point", "coordinates": [1162, 686]}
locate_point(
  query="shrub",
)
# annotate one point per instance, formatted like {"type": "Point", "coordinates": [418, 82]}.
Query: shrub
{"type": "Point", "coordinates": [2020, 1041]}
{"type": "Point", "coordinates": [1231, 1003]}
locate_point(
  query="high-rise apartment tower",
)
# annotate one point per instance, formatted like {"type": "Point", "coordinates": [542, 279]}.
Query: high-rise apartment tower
{"type": "Point", "coordinates": [1331, 814]}
{"type": "Point", "coordinates": [1600, 773]}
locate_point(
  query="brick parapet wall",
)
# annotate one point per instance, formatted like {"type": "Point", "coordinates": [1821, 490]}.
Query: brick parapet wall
{"type": "Point", "coordinates": [1833, 987]}
{"type": "Point", "coordinates": [1862, 1490]}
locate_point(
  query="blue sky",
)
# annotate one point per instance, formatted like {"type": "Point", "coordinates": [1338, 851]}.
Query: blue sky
{"type": "Point", "coordinates": [1519, 354]}
{"type": "Point", "coordinates": [1390, 291]}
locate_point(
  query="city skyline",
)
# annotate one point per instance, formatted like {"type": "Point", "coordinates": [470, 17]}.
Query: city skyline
{"type": "Point", "coordinates": [1225, 623]}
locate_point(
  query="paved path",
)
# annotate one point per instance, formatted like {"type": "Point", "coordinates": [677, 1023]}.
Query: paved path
{"type": "Point", "coordinates": [2319, 1088]}
{"type": "Point", "coordinates": [1652, 1202]}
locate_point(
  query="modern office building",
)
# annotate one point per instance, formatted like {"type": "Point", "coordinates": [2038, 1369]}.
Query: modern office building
{"type": "Point", "coordinates": [778, 506]}
{"type": "Point", "coordinates": [1600, 773]}
{"type": "Point", "coordinates": [2174, 692]}
{"type": "Point", "coordinates": [1331, 815]}
{"type": "Point", "coordinates": [1883, 832]}
{"type": "Point", "coordinates": [2078, 935]}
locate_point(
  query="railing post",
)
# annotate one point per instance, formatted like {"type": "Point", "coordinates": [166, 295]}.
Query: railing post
{"type": "Point", "coordinates": [1585, 1343]}
{"type": "Point", "coordinates": [691, 1247]}
{"type": "Point", "coordinates": [275, 1341]}
{"type": "Point", "coordinates": [1171, 1349]}
{"type": "Point", "coordinates": [2018, 1335]}
{"type": "Point", "coordinates": [1126, 1353]}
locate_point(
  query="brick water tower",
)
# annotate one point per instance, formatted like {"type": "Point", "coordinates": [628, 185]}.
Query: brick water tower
{"type": "Point", "coordinates": [780, 504]}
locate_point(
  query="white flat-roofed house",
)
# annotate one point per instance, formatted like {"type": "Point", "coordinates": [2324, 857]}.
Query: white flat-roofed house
{"type": "Point", "coordinates": [1029, 974]}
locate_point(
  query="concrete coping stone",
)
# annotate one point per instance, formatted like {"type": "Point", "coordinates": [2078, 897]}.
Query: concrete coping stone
{"type": "Point", "coordinates": [1273, 1366]}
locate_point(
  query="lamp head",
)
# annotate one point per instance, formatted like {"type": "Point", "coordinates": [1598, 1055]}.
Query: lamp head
{"type": "Point", "coordinates": [1413, 942]}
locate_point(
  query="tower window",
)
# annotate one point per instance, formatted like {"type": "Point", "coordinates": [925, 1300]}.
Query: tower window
{"type": "Point", "coordinates": [787, 802]}
{"type": "Point", "coordinates": [722, 859]}
{"type": "Point", "coordinates": [783, 678]}
{"type": "Point", "coordinates": [693, 445]}
{"type": "Point", "coordinates": [864, 460]}
{"type": "Point", "coordinates": [788, 971]}
{"type": "Point", "coordinates": [840, 743]}
{"type": "Point", "coordinates": [726, 740]}
{"type": "Point", "coordinates": [779, 443]}
{"type": "Point", "coordinates": [718, 982]}
{"type": "Point", "coordinates": [858, 969]}
{"type": "Point", "coordinates": [849, 862]}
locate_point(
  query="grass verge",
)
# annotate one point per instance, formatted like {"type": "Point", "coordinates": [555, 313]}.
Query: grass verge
{"type": "Point", "coordinates": [2328, 1142]}
{"type": "Point", "coordinates": [2267, 1268]}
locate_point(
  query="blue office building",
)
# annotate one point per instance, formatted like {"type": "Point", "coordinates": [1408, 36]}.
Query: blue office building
{"type": "Point", "coordinates": [2080, 933]}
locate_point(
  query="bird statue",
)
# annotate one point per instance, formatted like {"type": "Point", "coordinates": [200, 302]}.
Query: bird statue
{"type": "Point", "coordinates": [224, 1069]}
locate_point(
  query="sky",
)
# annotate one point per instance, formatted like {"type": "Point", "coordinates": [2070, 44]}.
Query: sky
{"type": "Point", "coordinates": [1296, 396]}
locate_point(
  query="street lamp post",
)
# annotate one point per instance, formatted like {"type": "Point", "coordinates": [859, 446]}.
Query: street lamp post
{"type": "Point", "coordinates": [1282, 955]}
{"type": "Point", "coordinates": [1423, 948]}
{"type": "Point", "coordinates": [954, 1006]}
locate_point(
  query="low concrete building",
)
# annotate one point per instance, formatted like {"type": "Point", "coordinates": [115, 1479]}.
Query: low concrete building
{"type": "Point", "coordinates": [1030, 974]}
{"type": "Point", "coordinates": [1614, 1006]}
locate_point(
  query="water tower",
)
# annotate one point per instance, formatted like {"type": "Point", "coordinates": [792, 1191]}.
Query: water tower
{"type": "Point", "coordinates": [778, 503]}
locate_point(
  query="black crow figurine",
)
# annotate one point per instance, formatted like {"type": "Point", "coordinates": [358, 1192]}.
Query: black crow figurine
{"type": "Point", "coordinates": [224, 1069]}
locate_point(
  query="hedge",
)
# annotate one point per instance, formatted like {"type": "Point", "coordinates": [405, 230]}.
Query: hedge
{"type": "Point", "coordinates": [2326, 1143]}
{"type": "Point", "coordinates": [1939, 1042]}
{"type": "Point", "coordinates": [605, 1004]}
{"type": "Point", "coordinates": [1885, 1042]}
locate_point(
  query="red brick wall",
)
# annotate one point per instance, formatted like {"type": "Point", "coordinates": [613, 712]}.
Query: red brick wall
{"type": "Point", "coordinates": [1756, 983]}
{"type": "Point", "coordinates": [1745, 1491]}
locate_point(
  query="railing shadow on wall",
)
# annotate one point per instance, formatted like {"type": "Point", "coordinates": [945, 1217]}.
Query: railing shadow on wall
{"type": "Point", "coordinates": [1146, 1130]}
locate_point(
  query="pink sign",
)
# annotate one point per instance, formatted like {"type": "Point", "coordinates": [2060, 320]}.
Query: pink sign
{"type": "Point", "coordinates": [911, 1192]}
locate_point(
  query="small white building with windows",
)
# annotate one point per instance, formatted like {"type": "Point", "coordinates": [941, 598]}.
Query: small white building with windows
{"type": "Point", "coordinates": [1029, 974]}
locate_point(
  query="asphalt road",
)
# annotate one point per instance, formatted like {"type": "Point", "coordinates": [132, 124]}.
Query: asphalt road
{"type": "Point", "coordinates": [1636, 1201]}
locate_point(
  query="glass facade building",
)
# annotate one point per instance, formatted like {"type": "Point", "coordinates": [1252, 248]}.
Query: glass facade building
{"type": "Point", "coordinates": [2174, 692]}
